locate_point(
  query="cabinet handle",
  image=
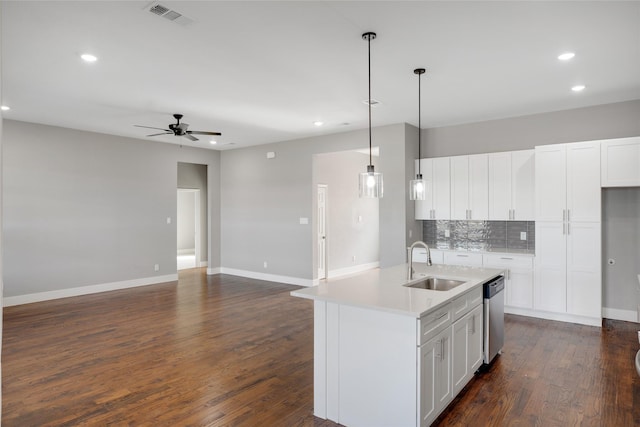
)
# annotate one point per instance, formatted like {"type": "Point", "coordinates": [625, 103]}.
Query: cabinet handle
{"type": "Point", "coordinates": [568, 228]}
{"type": "Point", "coordinates": [473, 324]}
{"type": "Point", "coordinates": [508, 274]}
{"type": "Point", "coordinates": [564, 228]}
{"type": "Point", "coordinates": [506, 257]}
{"type": "Point", "coordinates": [442, 351]}
{"type": "Point", "coordinates": [568, 214]}
{"type": "Point", "coordinates": [441, 316]}
{"type": "Point", "coordinates": [513, 214]}
{"type": "Point", "coordinates": [439, 349]}
{"type": "Point", "coordinates": [564, 214]}
{"type": "Point", "coordinates": [462, 256]}
{"type": "Point", "coordinates": [433, 214]}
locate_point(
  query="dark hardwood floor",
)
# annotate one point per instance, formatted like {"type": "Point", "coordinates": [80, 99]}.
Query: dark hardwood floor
{"type": "Point", "coordinates": [223, 350]}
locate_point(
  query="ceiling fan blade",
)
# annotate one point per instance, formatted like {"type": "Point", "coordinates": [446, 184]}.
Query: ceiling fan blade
{"type": "Point", "coordinates": [163, 133]}
{"type": "Point", "coordinates": [193, 138]}
{"type": "Point", "coordinates": [149, 127]}
{"type": "Point", "coordinates": [198, 132]}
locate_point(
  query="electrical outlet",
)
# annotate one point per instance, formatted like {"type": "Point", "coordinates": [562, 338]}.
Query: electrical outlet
{"type": "Point", "coordinates": [265, 264]}
{"type": "Point", "coordinates": [353, 258]}
{"type": "Point", "coordinates": [410, 233]}
{"type": "Point", "coordinates": [447, 233]}
{"type": "Point", "coordinates": [156, 267]}
{"type": "Point", "coordinates": [523, 235]}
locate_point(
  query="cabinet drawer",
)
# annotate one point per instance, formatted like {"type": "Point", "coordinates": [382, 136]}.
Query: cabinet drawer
{"type": "Point", "coordinates": [433, 323]}
{"type": "Point", "coordinates": [509, 261]}
{"type": "Point", "coordinates": [437, 257]}
{"type": "Point", "coordinates": [465, 303]}
{"type": "Point", "coordinates": [463, 258]}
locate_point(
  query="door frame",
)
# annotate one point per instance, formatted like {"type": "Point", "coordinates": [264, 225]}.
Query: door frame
{"type": "Point", "coordinates": [197, 219]}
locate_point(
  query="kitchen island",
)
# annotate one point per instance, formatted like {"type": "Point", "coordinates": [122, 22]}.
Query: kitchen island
{"type": "Point", "coordinates": [389, 354]}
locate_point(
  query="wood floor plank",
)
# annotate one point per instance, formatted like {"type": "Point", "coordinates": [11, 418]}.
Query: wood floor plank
{"type": "Point", "coordinates": [228, 351]}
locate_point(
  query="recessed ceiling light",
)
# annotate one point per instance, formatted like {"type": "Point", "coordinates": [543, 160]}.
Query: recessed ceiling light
{"type": "Point", "coordinates": [87, 57]}
{"type": "Point", "coordinates": [4, 108]}
{"type": "Point", "coordinates": [566, 56]}
{"type": "Point", "coordinates": [318, 123]}
{"type": "Point", "coordinates": [578, 88]}
{"type": "Point", "coordinates": [213, 142]}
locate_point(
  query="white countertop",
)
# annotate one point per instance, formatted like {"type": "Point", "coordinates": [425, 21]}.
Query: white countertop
{"type": "Point", "coordinates": [382, 289]}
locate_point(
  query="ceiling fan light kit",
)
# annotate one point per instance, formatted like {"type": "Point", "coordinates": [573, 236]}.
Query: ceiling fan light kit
{"type": "Point", "coordinates": [418, 186]}
{"type": "Point", "coordinates": [370, 182]}
{"type": "Point", "coordinates": [180, 129]}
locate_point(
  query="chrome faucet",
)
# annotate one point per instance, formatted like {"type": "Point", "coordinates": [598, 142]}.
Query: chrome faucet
{"type": "Point", "coordinates": [410, 270]}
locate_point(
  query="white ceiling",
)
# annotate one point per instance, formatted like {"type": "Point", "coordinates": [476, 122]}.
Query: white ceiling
{"type": "Point", "coordinates": [264, 71]}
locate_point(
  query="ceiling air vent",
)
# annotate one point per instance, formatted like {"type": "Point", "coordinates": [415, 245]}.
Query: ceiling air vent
{"type": "Point", "coordinates": [171, 15]}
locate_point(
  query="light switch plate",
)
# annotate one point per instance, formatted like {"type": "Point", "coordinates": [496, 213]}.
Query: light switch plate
{"type": "Point", "coordinates": [304, 221]}
{"type": "Point", "coordinates": [447, 233]}
{"type": "Point", "coordinates": [523, 235]}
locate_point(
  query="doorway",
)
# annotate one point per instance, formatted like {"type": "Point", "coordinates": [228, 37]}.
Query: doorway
{"type": "Point", "coordinates": [188, 228]}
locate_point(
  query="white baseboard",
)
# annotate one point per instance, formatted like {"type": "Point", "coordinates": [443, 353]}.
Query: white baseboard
{"type": "Point", "coordinates": [86, 290]}
{"type": "Point", "coordinates": [618, 314]}
{"type": "Point", "coordinates": [213, 270]}
{"type": "Point", "coordinates": [332, 274]}
{"type": "Point", "coordinates": [203, 263]}
{"type": "Point", "coordinates": [264, 276]}
{"type": "Point", "coordinates": [561, 317]}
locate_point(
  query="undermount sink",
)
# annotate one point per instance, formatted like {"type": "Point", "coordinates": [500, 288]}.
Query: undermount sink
{"type": "Point", "coordinates": [436, 284]}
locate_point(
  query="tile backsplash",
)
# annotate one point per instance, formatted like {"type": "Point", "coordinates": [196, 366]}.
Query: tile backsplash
{"type": "Point", "coordinates": [480, 235]}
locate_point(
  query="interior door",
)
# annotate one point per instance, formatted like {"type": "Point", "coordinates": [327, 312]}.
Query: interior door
{"type": "Point", "coordinates": [322, 231]}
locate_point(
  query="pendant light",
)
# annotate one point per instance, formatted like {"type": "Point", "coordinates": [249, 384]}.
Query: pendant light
{"type": "Point", "coordinates": [418, 186]}
{"type": "Point", "coordinates": [370, 182]}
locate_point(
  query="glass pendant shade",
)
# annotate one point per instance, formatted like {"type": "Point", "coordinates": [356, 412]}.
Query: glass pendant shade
{"type": "Point", "coordinates": [418, 188]}
{"type": "Point", "coordinates": [370, 184]}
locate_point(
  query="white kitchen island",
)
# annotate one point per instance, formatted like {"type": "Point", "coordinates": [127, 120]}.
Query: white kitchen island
{"type": "Point", "coordinates": [390, 355]}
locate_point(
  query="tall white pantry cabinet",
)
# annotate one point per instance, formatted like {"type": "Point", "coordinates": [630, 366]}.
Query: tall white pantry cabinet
{"type": "Point", "coordinates": [568, 277]}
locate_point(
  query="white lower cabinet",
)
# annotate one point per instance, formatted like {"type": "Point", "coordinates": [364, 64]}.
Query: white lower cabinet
{"type": "Point", "coordinates": [435, 376]}
{"type": "Point", "coordinates": [450, 355]}
{"type": "Point", "coordinates": [467, 348]}
{"type": "Point", "coordinates": [467, 259]}
{"type": "Point", "coordinates": [519, 276]}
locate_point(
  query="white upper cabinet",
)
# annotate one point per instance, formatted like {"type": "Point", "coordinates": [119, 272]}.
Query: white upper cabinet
{"type": "Point", "coordinates": [470, 187]}
{"type": "Point", "coordinates": [511, 185]}
{"type": "Point", "coordinates": [437, 204]}
{"type": "Point", "coordinates": [567, 182]}
{"type": "Point", "coordinates": [621, 162]}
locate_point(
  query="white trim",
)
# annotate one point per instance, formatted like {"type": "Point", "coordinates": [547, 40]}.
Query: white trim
{"type": "Point", "coordinates": [203, 264]}
{"type": "Point", "coordinates": [561, 317]}
{"type": "Point", "coordinates": [86, 290]}
{"type": "Point", "coordinates": [213, 270]}
{"type": "Point", "coordinates": [332, 274]}
{"type": "Point", "coordinates": [269, 277]}
{"type": "Point", "coordinates": [618, 314]}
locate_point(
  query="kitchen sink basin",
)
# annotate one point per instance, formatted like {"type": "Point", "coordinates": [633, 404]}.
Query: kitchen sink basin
{"type": "Point", "coordinates": [436, 284]}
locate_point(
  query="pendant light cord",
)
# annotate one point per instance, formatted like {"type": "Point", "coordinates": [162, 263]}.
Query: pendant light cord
{"type": "Point", "coordinates": [419, 125]}
{"type": "Point", "coordinates": [369, 101]}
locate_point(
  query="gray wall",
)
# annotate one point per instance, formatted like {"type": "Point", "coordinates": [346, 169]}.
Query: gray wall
{"type": "Point", "coordinates": [82, 208]}
{"type": "Point", "coordinates": [1, 245]}
{"type": "Point", "coordinates": [195, 177]}
{"type": "Point", "coordinates": [346, 236]}
{"type": "Point", "coordinates": [263, 199]}
{"type": "Point", "coordinates": [520, 133]}
{"type": "Point", "coordinates": [621, 242]}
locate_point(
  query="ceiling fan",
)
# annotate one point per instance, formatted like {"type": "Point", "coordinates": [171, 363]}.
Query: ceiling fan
{"type": "Point", "coordinates": [179, 129]}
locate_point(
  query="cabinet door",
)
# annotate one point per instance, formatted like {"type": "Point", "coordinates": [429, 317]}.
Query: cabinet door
{"type": "Point", "coordinates": [550, 182]}
{"type": "Point", "coordinates": [584, 276]}
{"type": "Point", "coordinates": [500, 193]}
{"type": "Point", "coordinates": [523, 185]}
{"type": "Point", "coordinates": [460, 187]}
{"type": "Point", "coordinates": [443, 371]}
{"type": "Point", "coordinates": [519, 287]}
{"type": "Point", "coordinates": [475, 338]}
{"type": "Point", "coordinates": [441, 188]}
{"type": "Point", "coordinates": [583, 182]}
{"type": "Point", "coordinates": [435, 376]}
{"type": "Point", "coordinates": [423, 208]}
{"type": "Point", "coordinates": [621, 162]}
{"type": "Point", "coordinates": [551, 267]}
{"type": "Point", "coordinates": [478, 187]}
{"type": "Point", "coordinates": [427, 386]}
{"type": "Point", "coordinates": [460, 354]}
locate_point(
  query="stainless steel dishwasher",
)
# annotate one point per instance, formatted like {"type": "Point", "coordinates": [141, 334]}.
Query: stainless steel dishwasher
{"type": "Point", "coordinates": [493, 318]}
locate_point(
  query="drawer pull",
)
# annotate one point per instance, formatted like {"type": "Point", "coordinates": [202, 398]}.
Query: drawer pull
{"type": "Point", "coordinates": [505, 257]}
{"type": "Point", "coordinates": [442, 315]}
{"type": "Point", "coordinates": [463, 256]}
